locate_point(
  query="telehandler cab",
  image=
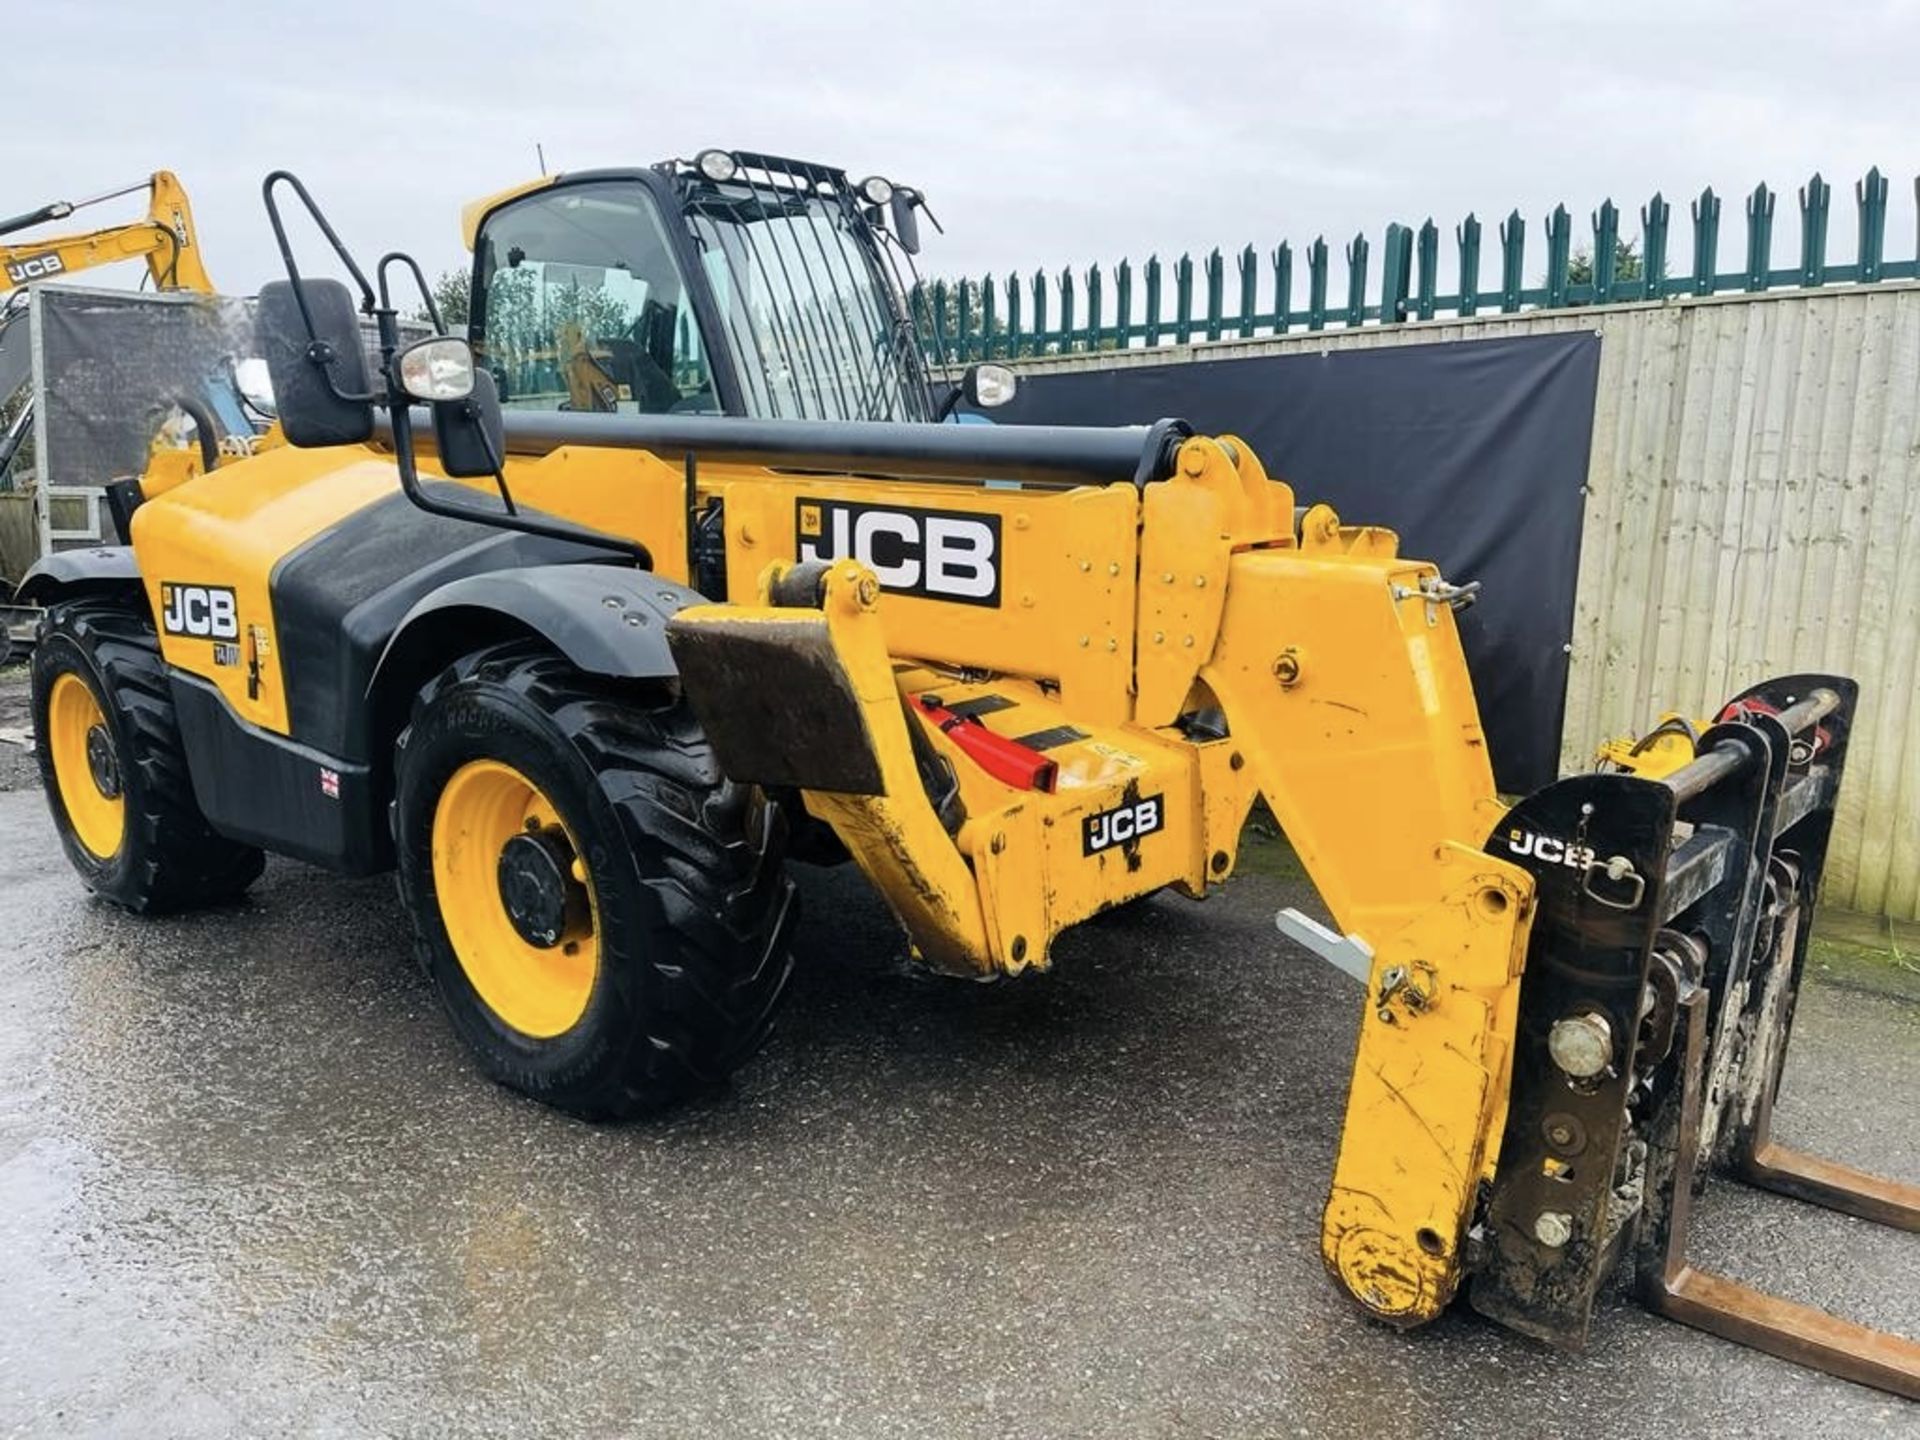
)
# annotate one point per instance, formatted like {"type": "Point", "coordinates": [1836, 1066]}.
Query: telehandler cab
{"type": "Point", "coordinates": [1017, 675]}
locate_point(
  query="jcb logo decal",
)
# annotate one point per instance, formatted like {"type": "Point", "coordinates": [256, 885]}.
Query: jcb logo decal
{"type": "Point", "coordinates": [1134, 820]}
{"type": "Point", "coordinates": [1550, 850]}
{"type": "Point", "coordinates": [935, 554]}
{"type": "Point", "coordinates": [35, 267]}
{"type": "Point", "coordinates": [205, 612]}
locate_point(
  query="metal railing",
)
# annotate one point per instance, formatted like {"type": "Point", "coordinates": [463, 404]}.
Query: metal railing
{"type": "Point", "coordinates": [1055, 314]}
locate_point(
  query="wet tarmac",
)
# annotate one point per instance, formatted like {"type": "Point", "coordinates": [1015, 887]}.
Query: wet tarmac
{"type": "Point", "coordinates": [250, 1186]}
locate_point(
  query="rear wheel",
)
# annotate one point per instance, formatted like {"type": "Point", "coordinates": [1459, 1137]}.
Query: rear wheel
{"type": "Point", "coordinates": [114, 769]}
{"type": "Point", "coordinates": [603, 913]}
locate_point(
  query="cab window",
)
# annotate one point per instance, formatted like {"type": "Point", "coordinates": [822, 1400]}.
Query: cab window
{"type": "Point", "coordinates": [581, 306]}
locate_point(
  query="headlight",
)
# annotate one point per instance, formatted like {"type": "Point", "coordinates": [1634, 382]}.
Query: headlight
{"type": "Point", "coordinates": [988, 386]}
{"type": "Point", "coordinates": [876, 190]}
{"type": "Point", "coordinates": [437, 369]}
{"type": "Point", "coordinates": [1581, 1045]}
{"type": "Point", "coordinates": [717, 165]}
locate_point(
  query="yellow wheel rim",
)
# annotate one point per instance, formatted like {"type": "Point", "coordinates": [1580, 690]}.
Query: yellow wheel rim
{"type": "Point", "coordinates": [538, 989]}
{"type": "Point", "coordinates": [86, 766]}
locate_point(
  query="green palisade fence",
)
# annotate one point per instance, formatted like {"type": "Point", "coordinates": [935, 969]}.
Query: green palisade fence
{"type": "Point", "coordinates": [1011, 318]}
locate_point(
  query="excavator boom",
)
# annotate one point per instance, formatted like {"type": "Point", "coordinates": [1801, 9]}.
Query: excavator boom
{"type": "Point", "coordinates": [165, 239]}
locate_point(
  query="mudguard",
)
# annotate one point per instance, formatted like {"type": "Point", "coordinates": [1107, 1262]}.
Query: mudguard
{"type": "Point", "coordinates": [100, 567]}
{"type": "Point", "coordinates": [606, 619]}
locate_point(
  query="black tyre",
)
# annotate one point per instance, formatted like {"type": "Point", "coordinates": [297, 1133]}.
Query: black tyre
{"type": "Point", "coordinates": [115, 773]}
{"type": "Point", "coordinates": [604, 914]}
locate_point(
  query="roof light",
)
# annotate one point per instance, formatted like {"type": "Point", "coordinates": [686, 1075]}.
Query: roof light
{"type": "Point", "coordinates": [717, 165]}
{"type": "Point", "coordinates": [876, 190]}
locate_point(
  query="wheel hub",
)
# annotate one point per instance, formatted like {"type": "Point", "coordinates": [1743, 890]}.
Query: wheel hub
{"type": "Point", "coordinates": [542, 899]}
{"type": "Point", "coordinates": [102, 763]}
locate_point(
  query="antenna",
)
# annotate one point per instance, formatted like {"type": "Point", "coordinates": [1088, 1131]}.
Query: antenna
{"type": "Point", "coordinates": [537, 150]}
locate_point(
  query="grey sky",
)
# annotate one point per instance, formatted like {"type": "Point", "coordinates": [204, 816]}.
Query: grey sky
{"type": "Point", "coordinates": [1041, 133]}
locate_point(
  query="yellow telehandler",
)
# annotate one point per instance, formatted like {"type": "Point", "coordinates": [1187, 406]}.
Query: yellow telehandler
{"type": "Point", "coordinates": [582, 680]}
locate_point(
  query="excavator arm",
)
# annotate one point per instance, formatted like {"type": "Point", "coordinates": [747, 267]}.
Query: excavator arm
{"type": "Point", "coordinates": [1572, 1006]}
{"type": "Point", "coordinates": [165, 239]}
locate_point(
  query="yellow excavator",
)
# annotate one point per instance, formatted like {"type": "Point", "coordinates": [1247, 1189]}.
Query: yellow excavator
{"type": "Point", "coordinates": [164, 239]}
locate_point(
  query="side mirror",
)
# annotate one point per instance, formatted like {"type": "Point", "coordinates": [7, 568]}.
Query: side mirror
{"type": "Point", "coordinates": [471, 433]}
{"type": "Point", "coordinates": [319, 376]}
{"type": "Point", "coordinates": [906, 225]}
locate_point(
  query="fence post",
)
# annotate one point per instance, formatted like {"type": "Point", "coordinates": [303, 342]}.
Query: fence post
{"type": "Point", "coordinates": [1357, 249]}
{"type": "Point", "coordinates": [1015, 340]}
{"type": "Point", "coordinates": [1066, 311]}
{"type": "Point", "coordinates": [1039, 312]}
{"type": "Point", "coordinates": [1096, 337]}
{"type": "Point", "coordinates": [988, 293]}
{"type": "Point", "coordinates": [940, 319]}
{"type": "Point", "coordinates": [1123, 302]}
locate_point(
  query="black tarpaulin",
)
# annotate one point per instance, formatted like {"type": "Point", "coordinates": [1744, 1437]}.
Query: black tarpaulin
{"type": "Point", "coordinates": [1475, 451]}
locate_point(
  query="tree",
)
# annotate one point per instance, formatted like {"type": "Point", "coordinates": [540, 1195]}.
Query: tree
{"type": "Point", "coordinates": [1626, 264]}
{"type": "Point", "coordinates": [450, 294]}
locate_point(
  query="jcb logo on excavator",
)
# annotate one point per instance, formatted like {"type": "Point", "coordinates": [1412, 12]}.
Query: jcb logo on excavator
{"type": "Point", "coordinates": [34, 267]}
{"type": "Point", "coordinates": [1551, 851]}
{"type": "Point", "coordinates": [935, 554]}
{"type": "Point", "coordinates": [1133, 821]}
{"type": "Point", "coordinates": [205, 612]}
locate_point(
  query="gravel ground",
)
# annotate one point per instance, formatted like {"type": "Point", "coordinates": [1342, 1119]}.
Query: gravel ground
{"type": "Point", "coordinates": [249, 1185]}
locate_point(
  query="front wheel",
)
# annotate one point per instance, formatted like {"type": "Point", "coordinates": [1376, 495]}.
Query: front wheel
{"type": "Point", "coordinates": [603, 913]}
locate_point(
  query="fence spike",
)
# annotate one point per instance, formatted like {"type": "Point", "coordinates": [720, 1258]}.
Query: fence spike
{"type": "Point", "coordinates": [1216, 292]}
{"type": "Point", "coordinates": [965, 326]}
{"type": "Point", "coordinates": [1357, 250]}
{"type": "Point", "coordinates": [1040, 340]}
{"type": "Point", "coordinates": [940, 318]}
{"type": "Point", "coordinates": [1065, 283]}
{"type": "Point", "coordinates": [1183, 299]}
{"type": "Point", "coordinates": [1467, 233]}
{"type": "Point", "coordinates": [1317, 283]}
{"type": "Point", "coordinates": [1706, 240]}
{"type": "Point", "coordinates": [1759, 236]}
{"type": "Point", "coordinates": [1283, 283]}
{"type": "Point", "coordinates": [1815, 198]}
{"type": "Point", "coordinates": [1096, 333]}
{"type": "Point", "coordinates": [1513, 259]}
{"type": "Point", "coordinates": [1123, 302]}
{"type": "Point", "coordinates": [1559, 254]}
{"type": "Point", "coordinates": [1249, 290]}
{"type": "Point", "coordinates": [1153, 300]}
{"type": "Point", "coordinates": [1016, 342]}
{"type": "Point", "coordinates": [1606, 250]}
{"type": "Point", "coordinates": [1871, 195]}
{"type": "Point", "coordinates": [1653, 247]}
{"type": "Point", "coordinates": [988, 330]}
{"type": "Point", "coordinates": [1428, 285]}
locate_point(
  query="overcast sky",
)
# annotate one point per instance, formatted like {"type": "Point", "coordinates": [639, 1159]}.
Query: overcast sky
{"type": "Point", "coordinates": [1041, 133]}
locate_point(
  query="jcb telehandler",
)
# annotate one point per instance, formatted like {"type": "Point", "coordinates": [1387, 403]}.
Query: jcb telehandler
{"type": "Point", "coordinates": [1018, 676]}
